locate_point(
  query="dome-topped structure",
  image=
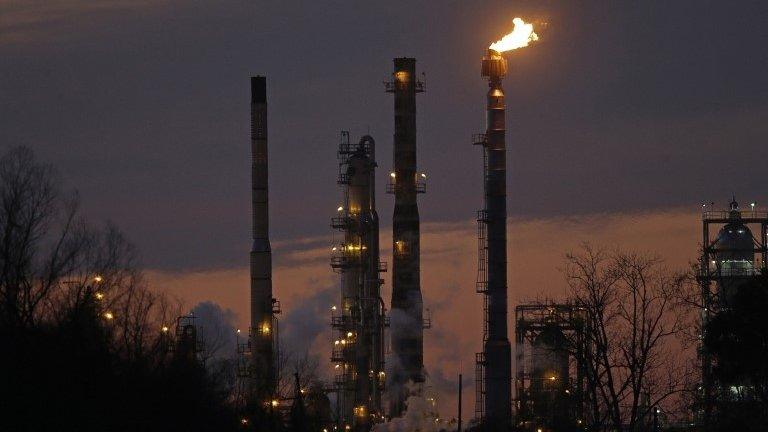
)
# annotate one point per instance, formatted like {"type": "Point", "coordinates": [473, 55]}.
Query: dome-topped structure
{"type": "Point", "coordinates": [734, 245]}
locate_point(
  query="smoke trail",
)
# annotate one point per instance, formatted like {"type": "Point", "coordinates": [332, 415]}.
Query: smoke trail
{"type": "Point", "coordinates": [308, 320]}
{"type": "Point", "coordinates": [218, 327]}
{"type": "Point", "coordinates": [419, 416]}
{"type": "Point", "coordinates": [405, 326]}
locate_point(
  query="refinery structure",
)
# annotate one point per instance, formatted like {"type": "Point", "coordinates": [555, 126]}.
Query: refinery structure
{"type": "Point", "coordinates": [261, 350]}
{"type": "Point", "coordinates": [494, 363]}
{"type": "Point", "coordinates": [377, 353]}
{"type": "Point", "coordinates": [405, 182]}
{"type": "Point", "coordinates": [736, 255]}
{"type": "Point", "coordinates": [358, 320]}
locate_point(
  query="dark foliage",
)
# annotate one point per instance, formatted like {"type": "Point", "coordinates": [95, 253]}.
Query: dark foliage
{"type": "Point", "coordinates": [67, 377]}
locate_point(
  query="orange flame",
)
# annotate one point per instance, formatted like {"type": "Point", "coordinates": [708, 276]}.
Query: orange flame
{"type": "Point", "coordinates": [522, 35]}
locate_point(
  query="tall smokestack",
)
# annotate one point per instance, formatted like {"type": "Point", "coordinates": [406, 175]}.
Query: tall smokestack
{"type": "Point", "coordinates": [496, 357]}
{"type": "Point", "coordinates": [406, 317]}
{"type": "Point", "coordinates": [263, 370]}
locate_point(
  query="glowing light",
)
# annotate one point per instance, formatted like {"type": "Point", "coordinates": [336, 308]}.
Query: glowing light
{"type": "Point", "coordinates": [108, 315]}
{"type": "Point", "coordinates": [244, 421]}
{"type": "Point", "coordinates": [552, 378]}
{"type": "Point", "coordinates": [238, 331]}
{"type": "Point", "coordinates": [392, 174]}
{"type": "Point", "coordinates": [522, 35]}
{"type": "Point", "coordinates": [99, 296]}
{"type": "Point", "coordinates": [423, 175]}
{"type": "Point", "coordinates": [164, 329]}
{"type": "Point", "coordinates": [265, 328]}
{"type": "Point", "coordinates": [98, 278]}
{"type": "Point", "coordinates": [333, 307]}
{"type": "Point", "coordinates": [274, 402]}
{"type": "Point", "coordinates": [349, 334]}
{"type": "Point", "coordinates": [340, 209]}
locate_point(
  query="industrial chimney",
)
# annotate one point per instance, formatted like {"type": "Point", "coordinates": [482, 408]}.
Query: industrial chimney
{"type": "Point", "coordinates": [406, 316]}
{"type": "Point", "coordinates": [263, 332]}
{"type": "Point", "coordinates": [494, 401]}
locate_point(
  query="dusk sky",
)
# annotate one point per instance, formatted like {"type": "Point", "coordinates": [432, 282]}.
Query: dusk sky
{"type": "Point", "coordinates": [621, 120]}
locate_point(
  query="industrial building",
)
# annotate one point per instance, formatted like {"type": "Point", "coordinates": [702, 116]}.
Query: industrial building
{"type": "Point", "coordinates": [358, 318]}
{"type": "Point", "coordinates": [550, 347]}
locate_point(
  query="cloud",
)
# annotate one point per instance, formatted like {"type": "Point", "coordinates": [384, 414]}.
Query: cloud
{"type": "Point", "coordinates": [26, 21]}
{"type": "Point", "coordinates": [305, 284]}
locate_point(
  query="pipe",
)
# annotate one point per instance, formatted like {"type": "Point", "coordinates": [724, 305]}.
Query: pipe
{"type": "Point", "coordinates": [460, 385]}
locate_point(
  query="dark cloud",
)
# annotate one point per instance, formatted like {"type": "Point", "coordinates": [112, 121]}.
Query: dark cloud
{"type": "Point", "coordinates": [622, 106]}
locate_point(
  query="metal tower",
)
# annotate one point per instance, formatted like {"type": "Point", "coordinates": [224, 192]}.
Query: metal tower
{"type": "Point", "coordinates": [728, 261]}
{"type": "Point", "coordinates": [358, 320]}
{"type": "Point", "coordinates": [407, 323]}
{"type": "Point", "coordinates": [494, 364]}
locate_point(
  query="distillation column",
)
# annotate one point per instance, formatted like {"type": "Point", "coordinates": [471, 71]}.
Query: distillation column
{"type": "Point", "coordinates": [496, 346]}
{"type": "Point", "coordinates": [406, 325]}
{"type": "Point", "coordinates": [358, 351]}
{"type": "Point", "coordinates": [263, 350]}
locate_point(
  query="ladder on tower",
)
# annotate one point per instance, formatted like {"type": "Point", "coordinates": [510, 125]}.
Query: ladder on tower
{"type": "Point", "coordinates": [481, 283]}
{"type": "Point", "coordinates": [479, 386]}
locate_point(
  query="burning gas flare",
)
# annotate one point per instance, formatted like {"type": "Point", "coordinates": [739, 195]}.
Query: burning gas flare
{"type": "Point", "coordinates": [522, 35]}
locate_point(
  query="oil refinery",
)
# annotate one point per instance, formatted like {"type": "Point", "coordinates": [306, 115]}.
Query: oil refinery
{"type": "Point", "coordinates": [588, 256]}
{"type": "Point", "coordinates": [379, 379]}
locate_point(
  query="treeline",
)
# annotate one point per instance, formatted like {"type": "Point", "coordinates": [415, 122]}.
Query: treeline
{"type": "Point", "coordinates": [85, 342]}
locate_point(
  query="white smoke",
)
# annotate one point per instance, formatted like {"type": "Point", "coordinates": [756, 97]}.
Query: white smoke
{"type": "Point", "coordinates": [402, 324]}
{"type": "Point", "coordinates": [419, 416]}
